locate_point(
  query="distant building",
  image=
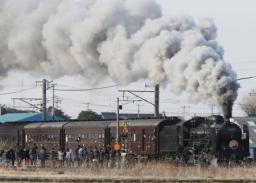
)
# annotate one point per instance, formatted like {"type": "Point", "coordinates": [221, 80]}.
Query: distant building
{"type": "Point", "coordinates": [33, 117]}
{"type": "Point", "coordinates": [112, 116]}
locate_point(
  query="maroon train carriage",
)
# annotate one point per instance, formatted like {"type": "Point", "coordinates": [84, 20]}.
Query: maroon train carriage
{"type": "Point", "coordinates": [142, 137]}
{"type": "Point", "coordinates": [12, 134]}
{"type": "Point", "coordinates": [91, 134]}
{"type": "Point", "coordinates": [48, 134]}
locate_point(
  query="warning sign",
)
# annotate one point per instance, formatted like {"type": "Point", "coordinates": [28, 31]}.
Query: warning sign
{"type": "Point", "coordinates": [125, 128]}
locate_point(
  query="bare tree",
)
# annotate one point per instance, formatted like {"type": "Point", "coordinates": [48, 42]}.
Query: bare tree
{"type": "Point", "coordinates": [248, 104]}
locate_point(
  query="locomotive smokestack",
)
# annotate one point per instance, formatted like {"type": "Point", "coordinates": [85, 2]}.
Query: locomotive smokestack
{"type": "Point", "coordinates": [227, 109]}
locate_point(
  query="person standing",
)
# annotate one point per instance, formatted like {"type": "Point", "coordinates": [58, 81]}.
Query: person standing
{"type": "Point", "coordinates": [11, 156]}
{"type": "Point", "coordinates": [72, 157]}
{"type": "Point", "coordinates": [60, 158]}
{"type": "Point", "coordinates": [53, 157]}
{"type": "Point", "coordinates": [34, 155]}
{"type": "Point", "coordinates": [26, 152]}
{"type": "Point", "coordinates": [42, 156]}
{"type": "Point", "coordinates": [68, 158]}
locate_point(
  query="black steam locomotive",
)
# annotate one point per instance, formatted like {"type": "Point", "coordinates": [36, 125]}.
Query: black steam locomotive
{"type": "Point", "coordinates": [203, 139]}
{"type": "Point", "coordinates": [199, 139]}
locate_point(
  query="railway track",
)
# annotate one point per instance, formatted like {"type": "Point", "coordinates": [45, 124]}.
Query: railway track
{"type": "Point", "coordinates": [117, 180]}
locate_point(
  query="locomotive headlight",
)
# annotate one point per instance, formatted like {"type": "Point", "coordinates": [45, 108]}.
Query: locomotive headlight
{"type": "Point", "coordinates": [232, 120]}
{"type": "Point", "coordinates": [233, 144]}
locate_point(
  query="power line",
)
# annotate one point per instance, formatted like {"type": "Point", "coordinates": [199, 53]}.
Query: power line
{"type": "Point", "coordinates": [250, 77]}
{"type": "Point", "coordinates": [19, 91]}
{"type": "Point", "coordinates": [87, 89]}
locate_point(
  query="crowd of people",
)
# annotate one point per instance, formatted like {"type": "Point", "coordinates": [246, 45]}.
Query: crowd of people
{"type": "Point", "coordinates": [80, 156]}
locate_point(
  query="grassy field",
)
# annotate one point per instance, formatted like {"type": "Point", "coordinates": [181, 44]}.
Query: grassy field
{"type": "Point", "coordinates": [140, 171]}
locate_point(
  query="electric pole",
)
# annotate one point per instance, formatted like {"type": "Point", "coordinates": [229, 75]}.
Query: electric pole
{"type": "Point", "coordinates": [117, 121]}
{"type": "Point", "coordinates": [53, 100]}
{"type": "Point", "coordinates": [44, 100]}
{"type": "Point", "coordinates": [138, 113]}
{"type": "Point", "coordinates": [156, 101]}
{"type": "Point", "coordinates": [184, 109]}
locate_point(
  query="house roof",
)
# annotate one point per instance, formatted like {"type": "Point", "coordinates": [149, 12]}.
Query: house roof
{"type": "Point", "coordinates": [14, 117]}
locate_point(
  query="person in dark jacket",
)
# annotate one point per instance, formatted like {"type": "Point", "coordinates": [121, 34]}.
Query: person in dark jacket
{"type": "Point", "coordinates": [42, 156]}
{"type": "Point", "coordinates": [54, 157]}
{"type": "Point", "coordinates": [10, 156]}
{"type": "Point", "coordinates": [19, 152]}
{"type": "Point", "coordinates": [26, 156]}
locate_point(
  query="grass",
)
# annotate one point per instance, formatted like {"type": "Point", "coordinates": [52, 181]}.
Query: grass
{"type": "Point", "coordinates": [140, 171]}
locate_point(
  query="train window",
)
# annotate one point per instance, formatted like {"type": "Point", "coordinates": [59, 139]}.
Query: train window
{"type": "Point", "coordinates": [99, 135]}
{"type": "Point", "coordinates": [103, 135]}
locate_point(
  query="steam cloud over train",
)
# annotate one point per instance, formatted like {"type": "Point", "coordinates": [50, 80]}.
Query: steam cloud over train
{"type": "Point", "coordinates": [199, 139]}
{"type": "Point", "coordinates": [124, 41]}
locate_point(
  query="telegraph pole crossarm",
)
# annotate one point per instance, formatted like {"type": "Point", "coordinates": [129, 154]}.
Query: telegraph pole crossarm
{"type": "Point", "coordinates": [26, 100]}
{"type": "Point", "coordinates": [132, 92]}
{"type": "Point", "coordinates": [156, 92]}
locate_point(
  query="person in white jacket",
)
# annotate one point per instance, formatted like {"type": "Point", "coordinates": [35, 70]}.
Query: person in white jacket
{"type": "Point", "coordinates": [60, 158]}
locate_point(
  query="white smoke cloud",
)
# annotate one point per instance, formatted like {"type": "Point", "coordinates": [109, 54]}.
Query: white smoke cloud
{"type": "Point", "coordinates": [126, 40]}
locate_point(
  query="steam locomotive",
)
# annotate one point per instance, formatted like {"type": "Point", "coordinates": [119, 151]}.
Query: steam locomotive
{"type": "Point", "coordinates": [199, 139]}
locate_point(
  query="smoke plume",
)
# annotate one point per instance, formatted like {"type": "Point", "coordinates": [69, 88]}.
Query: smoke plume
{"type": "Point", "coordinates": [125, 40]}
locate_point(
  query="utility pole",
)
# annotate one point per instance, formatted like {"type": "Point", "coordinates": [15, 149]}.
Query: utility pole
{"type": "Point", "coordinates": [253, 93]}
{"type": "Point", "coordinates": [53, 100]}
{"type": "Point", "coordinates": [88, 106]}
{"type": "Point", "coordinates": [117, 121]}
{"type": "Point", "coordinates": [44, 100]}
{"type": "Point", "coordinates": [138, 114]}
{"type": "Point", "coordinates": [57, 101]}
{"type": "Point", "coordinates": [184, 109]}
{"type": "Point", "coordinates": [156, 101]}
{"type": "Point", "coordinates": [212, 109]}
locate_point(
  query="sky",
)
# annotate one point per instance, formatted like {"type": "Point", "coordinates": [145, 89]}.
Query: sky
{"type": "Point", "coordinates": [236, 23]}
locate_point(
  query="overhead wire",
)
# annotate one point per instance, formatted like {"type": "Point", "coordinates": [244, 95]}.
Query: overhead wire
{"type": "Point", "coordinates": [87, 89]}
{"type": "Point", "coordinates": [18, 91]}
